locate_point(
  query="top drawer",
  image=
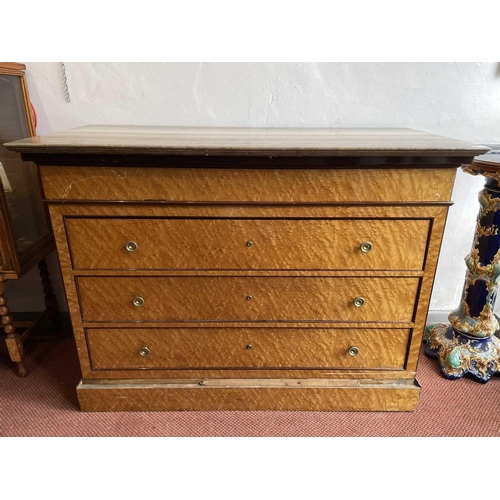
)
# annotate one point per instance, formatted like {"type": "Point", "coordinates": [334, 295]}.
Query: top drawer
{"type": "Point", "coordinates": [243, 185]}
{"type": "Point", "coordinates": [327, 244]}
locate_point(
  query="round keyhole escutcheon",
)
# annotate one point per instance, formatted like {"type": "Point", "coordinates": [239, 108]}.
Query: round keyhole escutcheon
{"type": "Point", "coordinates": [359, 302]}
{"type": "Point", "coordinates": [353, 351]}
{"type": "Point", "coordinates": [366, 247]}
{"type": "Point", "coordinates": [131, 246]}
{"type": "Point", "coordinates": [138, 301]}
{"type": "Point", "coordinates": [144, 351]}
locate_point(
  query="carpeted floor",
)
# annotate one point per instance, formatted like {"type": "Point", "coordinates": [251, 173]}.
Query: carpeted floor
{"type": "Point", "coordinates": [45, 404]}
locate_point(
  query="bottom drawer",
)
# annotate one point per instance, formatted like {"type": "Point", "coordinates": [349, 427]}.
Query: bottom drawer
{"type": "Point", "coordinates": [189, 348]}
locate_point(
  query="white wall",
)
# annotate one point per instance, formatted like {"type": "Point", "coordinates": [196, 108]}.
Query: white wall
{"type": "Point", "coordinates": [459, 100]}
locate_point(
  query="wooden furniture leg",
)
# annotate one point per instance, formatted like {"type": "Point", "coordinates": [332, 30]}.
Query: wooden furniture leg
{"type": "Point", "coordinates": [50, 298]}
{"type": "Point", "coordinates": [13, 340]}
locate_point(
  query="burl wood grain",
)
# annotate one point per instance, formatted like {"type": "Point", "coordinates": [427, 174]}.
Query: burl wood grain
{"type": "Point", "coordinates": [435, 213]}
{"type": "Point", "coordinates": [248, 299]}
{"type": "Point", "coordinates": [247, 244]}
{"type": "Point", "coordinates": [289, 295]}
{"type": "Point", "coordinates": [145, 397]}
{"type": "Point", "coordinates": [278, 394]}
{"type": "Point", "coordinates": [247, 185]}
{"type": "Point", "coordinates": [246, 348]}
{"type": "Point", "coordinates": [435, 239]}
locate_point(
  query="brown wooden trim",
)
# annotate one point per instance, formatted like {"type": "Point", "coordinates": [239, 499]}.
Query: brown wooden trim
{"type": "Point", "coordinates": [30, 325]}
{"type": "Point", "coordinates": [10, 255]}
{"type": "Point", "coordinates": [11, 72]}
{"type": "Point", "coordinates": [425, 290]}
{"type": "Point", "coordinates": [344, 273]}
{"type": "Point", "coordinates": [131, 376]}
{"type": "Point", "coordinates": [287, 370]}
{"type": "Point", "coordinates": [12, 66]}
{"type": "Point", "coordinates": [374, 325]}
{"type": "Point", "coordinates": [37, 257]}
{"type": "Point", "coordinates": [10, 275]}
{"type": "Point", "coordinates": [27, 106]}
{"type": "Point", "coordinates": [247, 211]}
{"type": "Point", "coordinates": [269, 394]}
{"type": "Point", "coordinates": [419, 291]}
{"type": "Point", "coordinates": [271, 160]}
{"type": "Point", "coordinates": [37, 249]}
{"type": "Point", "coordinates": [249, 203]}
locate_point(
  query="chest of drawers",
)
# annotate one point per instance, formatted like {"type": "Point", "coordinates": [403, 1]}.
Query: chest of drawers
{"type": "Point", "coordinates": [247, 269]}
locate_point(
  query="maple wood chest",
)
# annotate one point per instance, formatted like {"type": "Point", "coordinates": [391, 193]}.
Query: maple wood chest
{"type": "Point", "coordinates": [247, 269]}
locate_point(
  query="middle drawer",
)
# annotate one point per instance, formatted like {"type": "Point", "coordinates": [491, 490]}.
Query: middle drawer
{"type": "Point", "coordinates": [203, 298]}
{"type": "Point", "coordinates": [377, 244]}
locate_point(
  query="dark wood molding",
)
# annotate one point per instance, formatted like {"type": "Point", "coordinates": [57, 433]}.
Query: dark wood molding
{"type": "Point", "coordinates": [175, 161]}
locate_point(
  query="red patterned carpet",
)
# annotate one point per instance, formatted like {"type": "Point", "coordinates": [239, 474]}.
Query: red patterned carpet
{"type": "Point", "coordinates": [45, 404]}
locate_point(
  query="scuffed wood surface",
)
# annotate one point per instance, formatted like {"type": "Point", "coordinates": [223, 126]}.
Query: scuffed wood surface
{"type": "Point", "coordinates": [353, 395]}
{"type": "Point", "coordinates": [219, 185]}
{"type": "Point", "coordinates": [246, 141]}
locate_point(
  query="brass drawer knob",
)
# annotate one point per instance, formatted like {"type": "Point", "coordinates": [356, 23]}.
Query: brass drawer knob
{"type": "Point", "coordinates": [131, 246]}
{"type": "Point", "coordinates": [144, 351]}
{"type": "Point", "coordinates": [359, 301]}
{"type": "Point", "coordinates": [138, 301]}
{"type": "Point", "coordinates": [249, 243]}
{"type": "Point", "coordinates": [366, 247]}
{"type": "Point", "coordinates": [249, 297]}
{"type": "Point", "coordinates": [353, 351]}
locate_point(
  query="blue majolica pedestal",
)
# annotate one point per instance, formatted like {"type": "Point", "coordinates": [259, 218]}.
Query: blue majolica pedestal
{"type": "Point", "coordinates": [468, 344]}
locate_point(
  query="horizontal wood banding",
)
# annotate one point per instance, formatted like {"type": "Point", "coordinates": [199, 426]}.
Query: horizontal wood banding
{"type": "Point", "coordinates": [250, 324]}
{"type": "Point", "coordinates": [246, 211]}
{"type": "Point", "coordinates": [226, 299]}
{"type": "Point", "coordinates": [116, 139]}
{"type": "Point", "coordinates": [246, 348]}
{"type": "Point", "coordinates": [247, 244]}
{"type": "Point", "coordinates": [245, 272]}
{"type": "Point", "coordinates": [246, 185]}
{"type": "Point", "coordinates": [129, 374]}
{"type": "Point", "coordinates": [277, 394]}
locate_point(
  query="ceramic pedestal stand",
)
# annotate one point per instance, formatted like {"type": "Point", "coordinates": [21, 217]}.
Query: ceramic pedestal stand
{"type": "Point", "coordinates": [468, 344]}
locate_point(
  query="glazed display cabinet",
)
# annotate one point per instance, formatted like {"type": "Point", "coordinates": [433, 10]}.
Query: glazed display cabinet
{"type": "Point", "coordinates": [25, 233]}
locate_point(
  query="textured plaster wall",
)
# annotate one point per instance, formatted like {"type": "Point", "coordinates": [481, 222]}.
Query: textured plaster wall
{"type": "Point", "coordinates": [460, 100]}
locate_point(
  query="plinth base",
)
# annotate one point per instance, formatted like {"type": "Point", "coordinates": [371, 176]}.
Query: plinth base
{"type": "Point", "coordinates": [459, 354]}
{"type": "Point", "coordinates": [249, 394]}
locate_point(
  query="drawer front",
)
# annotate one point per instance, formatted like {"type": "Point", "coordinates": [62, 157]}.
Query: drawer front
{"type": "Point", "coordinates": [247, 185]}
{"type": "Point", "coordinates": [189, 348]}
{"type": "Point", "coordinates": [396, 244]}
{"type": "Point", "coordinates": [247, 299]}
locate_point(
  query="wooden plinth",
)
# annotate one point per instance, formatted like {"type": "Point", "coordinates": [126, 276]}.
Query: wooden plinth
{"type": "Point", "coordinates": [244, 394]}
